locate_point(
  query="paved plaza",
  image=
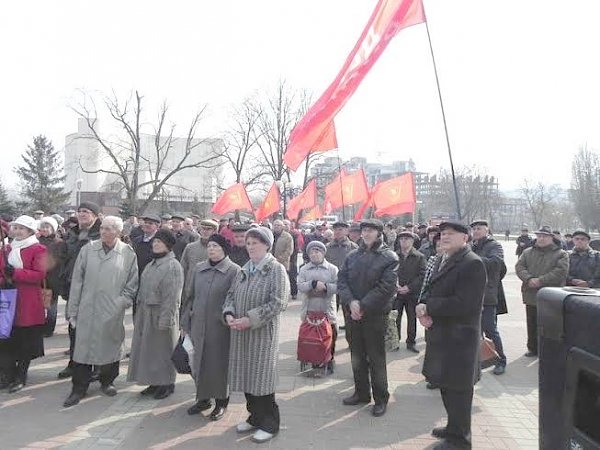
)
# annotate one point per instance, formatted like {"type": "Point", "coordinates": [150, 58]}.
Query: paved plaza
{"type": "Point", "coordinates": [505, 408]}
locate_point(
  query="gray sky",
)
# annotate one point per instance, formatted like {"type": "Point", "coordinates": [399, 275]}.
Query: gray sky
{"type": "Point", "coordinates": [520, 79]}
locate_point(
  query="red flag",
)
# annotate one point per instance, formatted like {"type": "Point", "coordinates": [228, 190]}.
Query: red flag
{"type": "Point", "coordinates": [307, 199]}
{"type": "Point", "coordinates": [396, 210]}
{"type": "Point", "coordinates": [388, 18]}
{"type": "Point", "coordinates": [361, 211]}
{"type": "Point", "coordinates": [313, 214]}
{"type": "Point", "coordinates": [234, 197]}
{"type": "Point", "coordinates": [347, 189]}
{"type": "Point", "coordinates": [327, 141]}
{"type": "Point", "coordinates": [394, 191]}
{"type": "Point", "coordinates": [270, 205]}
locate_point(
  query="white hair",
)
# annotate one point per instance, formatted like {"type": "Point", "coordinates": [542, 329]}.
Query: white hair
{"type": "Point", "coordinates": [114, 222]}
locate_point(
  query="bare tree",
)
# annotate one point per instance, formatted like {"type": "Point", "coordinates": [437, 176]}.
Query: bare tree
{"type": "Point", "coordinates": [540, 198]}
{"type": "Point", "coordinates": [130, 161]}
{"type": "Point", "coordinates": [585, 187]}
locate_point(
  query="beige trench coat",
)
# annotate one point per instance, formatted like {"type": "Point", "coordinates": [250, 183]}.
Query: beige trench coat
{"type": "Point", "coordinates": [102, 288]}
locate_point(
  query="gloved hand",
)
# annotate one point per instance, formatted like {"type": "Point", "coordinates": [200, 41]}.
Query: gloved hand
{"type": "Point", "coordinates": [73, 322]}
{"type": "Point", "coordinates": [9, 270]}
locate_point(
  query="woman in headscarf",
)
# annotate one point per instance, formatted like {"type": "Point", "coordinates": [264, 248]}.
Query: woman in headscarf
{"type": "Point", "coordinates": [25, 270]}
{"type": "Point", "coordinates": [156, 328]}
{"type": "Point", "coordinates": [202, 319]}
{"type": "Point", "coordinates": [252, 309]}
{"type": "Point", "coordinates": [56, 257]}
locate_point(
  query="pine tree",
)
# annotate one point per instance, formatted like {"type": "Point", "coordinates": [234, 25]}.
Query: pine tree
{"type": "Point", "coordinates": [41, 175]}
{"type": "Point", "coordinates": [6, 206]}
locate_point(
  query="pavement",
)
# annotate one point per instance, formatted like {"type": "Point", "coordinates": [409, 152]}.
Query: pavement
{"type": "Point", "coordinates": [505, 408]}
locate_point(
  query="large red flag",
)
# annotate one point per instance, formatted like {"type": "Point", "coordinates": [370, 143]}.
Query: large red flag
{"type": "Point", "coordinates": [234, 197]}
{"type": "Point", "coordinates": [270, 205]}
{"type": "Point", "coordinates": [313, 214]}
{"type": "Point", "coordinates": [396, 210]}
{"type": "Point", "coordinates": [307, 199]}
{"type": "Point", "coordinates": [327, 141]}
{"type": "Point", "coordinates": [347, 189]}
{"type": "Point", "coordinates": [388, 18]}
{"type": "Point", "coordinates": [363, 208]}
{"type": "Point", "coordinates": [394, 191]}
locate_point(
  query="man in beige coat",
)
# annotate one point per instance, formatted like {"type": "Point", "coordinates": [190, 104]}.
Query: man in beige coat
{"type": "Point", "coordinates": [104, 285]}
{"type": "Point", "coordinates": [283, 246]}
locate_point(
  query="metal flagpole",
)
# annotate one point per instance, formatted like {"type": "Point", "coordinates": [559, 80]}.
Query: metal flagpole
{"type": "Point", "coordinates": [437, 80]}
{"type": "Point", "coordinates": [341, 187]}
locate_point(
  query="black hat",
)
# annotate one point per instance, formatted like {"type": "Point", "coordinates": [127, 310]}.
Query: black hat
{"type": "Point", "coordinates": [455, 225]}
{"type": "Point", "coordinates": [151, 218]}
{"type": "Point", "coordinates": [355, 227]}
{"type": "Point", "coordinates": [479, 222]}
{"type": "Point", "coordinates": [421, 226]}
{"type": "Point", "coordinates": [545, 230]}
{"type": "Point", "coordinates": [166, 237]}
{"type": "Point", "coordinates": [372, 223]}
{"type": "Point", "coordinates": [240, 227]}
{"type": "Point", "coordinates": [581, 233]}
{"type": "Point", "coordinates": [93, 207]}
{"type": "Point", "coordinates": [178, 216]}
{"type": "Point", "coordinates": [407, 234]}
{"type": "Point", "coordinates": [340, 224]}
{"type": "Point", "coordinates": [221, 242]}
{"type": "Point", "coordinates": [433, 229]}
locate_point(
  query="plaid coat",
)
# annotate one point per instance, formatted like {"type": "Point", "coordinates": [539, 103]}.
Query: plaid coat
{"type": "Point", "coordinates": [261, 296]}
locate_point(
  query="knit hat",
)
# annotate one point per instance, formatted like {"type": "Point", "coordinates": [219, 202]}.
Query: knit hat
{"type": "Point", "coordinates": [318, 245]}
{"type": "Point", "coordinates": [59, 219]}
{"type": "Point", "coordinates": [221, 242]}
{"type": "Point", "coordinates": [263, 234]}
{"type": "Point", "coordinates": [50, 221]}
{"type": "Point", "coordinates": [93, 207]}
{"type": "Point", "coordinates": [166, 237]}
{"type": "Point", "coordinates": [27, 222]}
{"type": "Point", "coordinates": [581, 232]}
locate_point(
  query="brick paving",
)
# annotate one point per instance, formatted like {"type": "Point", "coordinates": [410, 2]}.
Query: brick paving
{"type": "Point", "coordinates": [505, 407]}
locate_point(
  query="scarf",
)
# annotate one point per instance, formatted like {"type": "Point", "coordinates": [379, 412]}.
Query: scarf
{"type": "Point", "coordinates": [14, 257]}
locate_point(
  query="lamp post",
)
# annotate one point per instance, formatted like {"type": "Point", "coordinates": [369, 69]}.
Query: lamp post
{"type": "Point", "coordinates": [78, 184]}
{"type": "Point", "coordinates": [282, 186]}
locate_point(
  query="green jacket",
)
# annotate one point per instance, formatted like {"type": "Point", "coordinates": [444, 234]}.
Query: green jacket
{"type": "Point", "coordinates": [550, 264]}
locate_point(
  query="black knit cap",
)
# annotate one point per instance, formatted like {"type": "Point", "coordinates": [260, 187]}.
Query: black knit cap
{"type": "Point", "coordinates": [166, 237]}
{"type": "Point", "coordinates": [91, 206]}
{"type": "Point", "coordinates": [221, 242]}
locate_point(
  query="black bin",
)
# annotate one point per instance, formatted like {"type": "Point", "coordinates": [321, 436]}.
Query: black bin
{"type": "Point", "coordinates": [569, 368]}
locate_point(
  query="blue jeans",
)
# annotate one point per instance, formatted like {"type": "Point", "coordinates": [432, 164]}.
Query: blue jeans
{"type": "Point", "coordinates": [489, 326]}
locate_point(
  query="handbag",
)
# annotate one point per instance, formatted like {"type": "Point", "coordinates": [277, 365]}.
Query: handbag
{"type": "Point", "coordinates": [315, 338]}
{"type": "Point", "coordinates": [180, 358]}
{"type": "Point", "coordinates": [47, 295]}
{"type": "Point", "coordinates": [8, 306]}
{"type": "Point", "coordinates": [488, 355]}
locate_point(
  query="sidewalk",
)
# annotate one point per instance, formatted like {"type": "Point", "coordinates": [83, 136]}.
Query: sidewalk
{"type": "Point", "coordinates": [505, 407]}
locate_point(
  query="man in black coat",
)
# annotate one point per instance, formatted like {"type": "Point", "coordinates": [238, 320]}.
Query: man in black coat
{"type": "Point", "coordinates": [451, 310]}
{"type": "Point", "coordinates": [367, 285]}
{"type": "Point", "coordinates": [183, 237]}
{"type": "Point", "coordinates": [238, 253]}
{"type": "Point", "coordinates": [523, 241]}
{"type": "Point", "coordinates": [142, 245]}
{"type": "Point", "coordinates": [584, 263]}
{"type": "Point", "coordinates": [411, 270]}
{"type": "Point", "coordinates": [492, 254]}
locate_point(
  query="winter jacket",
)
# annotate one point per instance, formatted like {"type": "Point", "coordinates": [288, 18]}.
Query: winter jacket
{"type": "Point", "coordinates": [283, 247]}
{"type": "Point", "coordinates": [585, 266]}
{"type": "Point", "coordinates": [337, 251]}
{"type": "Point", "coordinates": [492, 254]}
{"type": "Point", "coordinates": [411, 271]}
{"type": "Point", "coordinates": [183, 237]}
{"type": "Point", "coordinates": [75, 240]}
{"type": "Point", "coordinates": [313, 300]}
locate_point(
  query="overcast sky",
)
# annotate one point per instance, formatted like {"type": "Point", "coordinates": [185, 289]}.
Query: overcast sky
{"type": "Point", "coordinates": [520, 79]}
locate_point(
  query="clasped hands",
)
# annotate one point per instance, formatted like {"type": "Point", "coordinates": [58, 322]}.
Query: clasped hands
{"type": "Point", "coordinates": [424, 318]}
{"type": "Point", "coordinates": [355, 311]}
{"type": "Point", "coordinates": [241, 324]}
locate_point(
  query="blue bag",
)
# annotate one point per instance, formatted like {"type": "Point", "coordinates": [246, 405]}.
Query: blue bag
{"type": "Point", "coordinates": [8, 306]}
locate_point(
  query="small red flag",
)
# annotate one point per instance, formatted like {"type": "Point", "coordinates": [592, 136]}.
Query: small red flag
{"type": "Point", "coordinates": [270, 205]}
{"type": "Point", "coordinates": [307, 199]}
{"type": "Point", "coordinates": [234, 197]}
{"type": "Point", "coordinates": [313, 214]}
{"type": "Point", "coordinates": [347, 189]}
{"type": "Point", "coordinates": [394, 191]}
{"type": "Point", "coordinates": [388, 18]}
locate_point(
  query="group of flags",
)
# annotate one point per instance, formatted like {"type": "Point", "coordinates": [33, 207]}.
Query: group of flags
{"type": "Point", "coordinates": [315, 132]}
{"type": "Point", "coordinates": [391, 197]}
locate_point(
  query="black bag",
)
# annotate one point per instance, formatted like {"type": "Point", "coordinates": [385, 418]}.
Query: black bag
{"type": "Point", "coordinates": [180, 358]}
{"type": "Point", "coordinates": [502, 307]}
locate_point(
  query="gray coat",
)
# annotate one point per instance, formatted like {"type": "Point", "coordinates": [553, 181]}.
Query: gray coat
{"type": "Point", "coordinates": [103, 286]}
{"type": "Point", "coordinates": [261, 295]}
{"type": "Point", "coordinates": [202, 319]}
{"type": "Point", "coordinates": [338, 250]}
{"type": "Point", "coordinates": [318, 301]}
{"type": "Point", "coordinates": [194, 253]}
{"type": "Point", "coordinates": [156, 323]}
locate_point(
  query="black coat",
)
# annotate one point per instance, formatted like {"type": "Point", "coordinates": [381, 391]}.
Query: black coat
{"type": "Point", "coordinates": [183, 238]}
{"type": "Point", "coordinates": [492, 254]}
{"type": "Point", "coordinates": [411, 271]}
{"type": "Point", "coordinates": [369, 275]}
{"type": "Point", "coordinates": [584, 266]}
{"type": "Point", "coordinates": [454, 302]}
{"type": "Point", "coordinates": [143, 251]}
{"type": "Point", "coordinates": [239, 255]}
{"type": "Point", "coordinates": [75, 241]}
{"type": "Point", "coordinates": [526, 241]}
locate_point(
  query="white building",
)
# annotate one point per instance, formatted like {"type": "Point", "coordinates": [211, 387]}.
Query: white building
{"type": "Point", "coordinates": [83, 152]}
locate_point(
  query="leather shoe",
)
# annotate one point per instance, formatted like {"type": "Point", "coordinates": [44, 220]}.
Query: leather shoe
{"type": "Point", "coordinates": [439, 432]}
{"type": "Point", "coordinates": [15, 386]}
{"type": "Point", "coordinates": [530, 354]}
{"type": "Point", "coordinates": [67, 372]}
{"type": "Point", "coordinates": [355, 399]}
{"type": "Point", "coordinates": [499, 369]}
{"type": "Point", "coordinates": [411, 347]}
{"type": "Point", "coordinates": [379, 409]}
{"type": "Point", "coordinates": [164, 391]}
{"type": "Point", "coordinates": [150, 390]}
{"type": "Point", "coordinates": [432, 386]}
{"type": "Point", "coordinates": [108, 390]}
{"type": "Point", "coordinates": [200, 406]}
{"type": "Point", "coordinates": [73, 399]}
{"type": "Point", "coordinates": [218, 413]}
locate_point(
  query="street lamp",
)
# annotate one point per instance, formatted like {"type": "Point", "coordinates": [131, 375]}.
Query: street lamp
{"type": "Point", "coordinates": [282, 186]}
{"type": "Point", "coordinates": [78, 184]}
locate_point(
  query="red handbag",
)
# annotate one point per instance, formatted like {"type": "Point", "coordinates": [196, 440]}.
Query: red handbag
{"type": "Point", "coordinates": [315, 338]}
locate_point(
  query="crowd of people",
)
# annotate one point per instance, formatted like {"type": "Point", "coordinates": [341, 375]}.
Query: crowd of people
{"type": "Point", "coordinates": [223, 285]}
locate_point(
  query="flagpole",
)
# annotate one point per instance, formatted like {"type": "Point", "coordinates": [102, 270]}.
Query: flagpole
{"type": "Point", "coordinates": [437, 81]}
{"type": "Point", "coordinates": [341, 187]}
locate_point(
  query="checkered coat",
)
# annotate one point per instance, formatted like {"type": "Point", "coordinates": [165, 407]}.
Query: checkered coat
{"type": "Point", "coordinates": [261, 296]}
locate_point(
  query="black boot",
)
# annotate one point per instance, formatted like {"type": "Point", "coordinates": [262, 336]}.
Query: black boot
{"type": "Point", "coordinates": [199, 406]}
{"type": "Point", "coordinates": [220, 407]}
{"type": "Point", "coordinates": [164, 391]}
{"type": "Point", "coordinates": [21, 377]}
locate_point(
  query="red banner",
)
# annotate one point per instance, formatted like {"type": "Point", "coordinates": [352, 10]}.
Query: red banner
{"type": "Point", "coordinates": [307, 199]}
{"type": "Point", "coordinates": [347, 189]}
{"type": "Point", "coordinates": [313, 214]}
{"type": "Point", "coordinates": [327, 141]}
{"type": "Point", "coordinates": [388, 18]}
{"type": "Point", "coordinates": [270, 205]}
{"type": "Point", "coordinates": [231, 199]}
{"type": "Point", "coordinates": [394, 191]}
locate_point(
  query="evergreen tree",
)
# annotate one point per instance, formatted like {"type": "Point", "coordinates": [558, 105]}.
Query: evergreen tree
{"type": "Point", "coordinates": [6, 206]}
{"type": "Point", "coordinates": [41, 175]}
